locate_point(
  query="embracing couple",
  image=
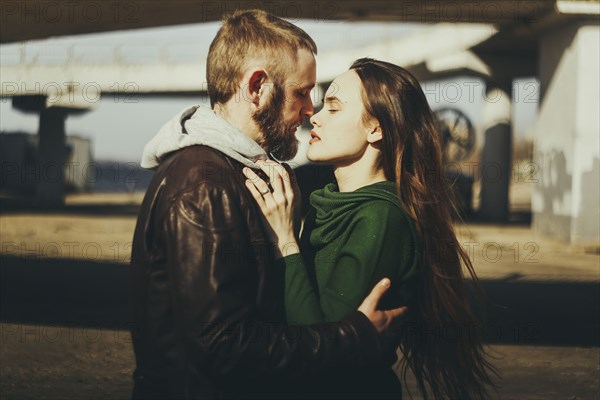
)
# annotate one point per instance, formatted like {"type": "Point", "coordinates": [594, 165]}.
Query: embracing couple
{"type": "Point", "coordinates": [231, 300]}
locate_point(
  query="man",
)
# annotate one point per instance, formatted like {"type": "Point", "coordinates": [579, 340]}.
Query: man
{"type": "Point", "coordinates": [205, 290]}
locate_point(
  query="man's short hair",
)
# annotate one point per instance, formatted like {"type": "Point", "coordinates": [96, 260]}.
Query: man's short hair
{"type": "Point", "coordinates": [246, 35]}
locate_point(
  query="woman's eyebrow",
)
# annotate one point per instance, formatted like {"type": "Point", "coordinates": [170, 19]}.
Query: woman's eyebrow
{"type": "Point", "coordinates": [332, 99]}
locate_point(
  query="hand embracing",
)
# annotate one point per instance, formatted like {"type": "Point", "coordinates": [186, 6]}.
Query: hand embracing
{"type": "Point", "coordinates": [278, 203]}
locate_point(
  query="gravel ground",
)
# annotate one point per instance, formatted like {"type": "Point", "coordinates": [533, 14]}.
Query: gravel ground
{"type": "Point", "coordinates": [62, 362]}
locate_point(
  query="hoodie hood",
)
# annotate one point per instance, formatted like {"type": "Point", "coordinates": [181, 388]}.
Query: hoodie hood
{"type": "Point", "coordinates": [200, 125]}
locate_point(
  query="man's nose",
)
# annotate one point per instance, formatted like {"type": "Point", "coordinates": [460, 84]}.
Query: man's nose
{"type": "Point", "coordinates": [308, 108]}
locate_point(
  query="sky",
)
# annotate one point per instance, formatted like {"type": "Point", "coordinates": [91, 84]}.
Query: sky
{"type": "Point", "coordinates": [120, 126]}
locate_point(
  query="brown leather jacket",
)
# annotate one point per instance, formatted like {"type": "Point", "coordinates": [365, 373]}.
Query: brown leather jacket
{"type": "Point", "coordinates": [206, 295]}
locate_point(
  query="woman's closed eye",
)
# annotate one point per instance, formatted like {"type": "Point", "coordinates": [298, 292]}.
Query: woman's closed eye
{"type": "Point", "coordinates": [331, 104]}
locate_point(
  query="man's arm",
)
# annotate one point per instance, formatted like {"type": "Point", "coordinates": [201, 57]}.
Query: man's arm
{"type": "Point", "coordinates": [214, 286]}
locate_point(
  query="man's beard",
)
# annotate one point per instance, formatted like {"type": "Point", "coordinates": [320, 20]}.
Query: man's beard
{"type": "Point", "coordinates": [277, 138]}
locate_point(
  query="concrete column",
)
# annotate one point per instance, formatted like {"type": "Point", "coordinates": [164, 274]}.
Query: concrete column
{"type": "Point", "coordinates": [496, 156]}
{"type": "Point", "coordinates": [567, 135]}
{"type": "Point", "coordinates": [52, 153]}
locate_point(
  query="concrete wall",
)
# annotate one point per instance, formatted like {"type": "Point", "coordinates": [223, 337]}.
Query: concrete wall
{"type": "Point", "coordinates": [567, 135]}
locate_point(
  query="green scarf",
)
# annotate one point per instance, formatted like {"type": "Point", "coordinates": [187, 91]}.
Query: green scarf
{"type": "Point", "coordinates": [334, 210]}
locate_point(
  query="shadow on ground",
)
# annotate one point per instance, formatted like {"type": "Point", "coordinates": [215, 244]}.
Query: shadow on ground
{"type": "Point", "coordinates": [10, 206]}
{"type": "Point", "coordinates": [84, 293]}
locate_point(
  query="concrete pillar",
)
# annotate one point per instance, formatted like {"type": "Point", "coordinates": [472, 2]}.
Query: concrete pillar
{"type": "Point", "coordinates": [567, 135]}
{"type": "Point", "coordinates": [496, 156]}
{"type": "Point", "coordinates": [52, 153]}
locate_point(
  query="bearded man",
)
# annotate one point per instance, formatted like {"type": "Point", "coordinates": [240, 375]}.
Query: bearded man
{"type": "Point", "coordinates": [206, 295]}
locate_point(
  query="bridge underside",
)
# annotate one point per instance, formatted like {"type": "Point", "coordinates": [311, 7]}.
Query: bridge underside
{"type": "Point", "coordinates": [24, 20]}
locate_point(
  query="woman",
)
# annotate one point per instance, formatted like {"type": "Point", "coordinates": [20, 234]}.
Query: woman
{"type": "Point", "coordinates": [388, 215]}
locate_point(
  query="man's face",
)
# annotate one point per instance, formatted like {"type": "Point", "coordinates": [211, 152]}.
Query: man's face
{"type": "Point", "coordinates": [289, 104]}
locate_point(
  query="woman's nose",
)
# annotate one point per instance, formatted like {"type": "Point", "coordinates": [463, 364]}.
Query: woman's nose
{"type": "Point", "coordinates": [313, 119]}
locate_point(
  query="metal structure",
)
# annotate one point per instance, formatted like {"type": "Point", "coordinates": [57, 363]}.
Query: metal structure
{"type": "Point", "coordinates": [457, 134]}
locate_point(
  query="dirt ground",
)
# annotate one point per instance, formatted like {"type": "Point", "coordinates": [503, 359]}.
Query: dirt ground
{"type": "Point", "coordinates": [64, 362]}
{"type": "Point", "coordinates": [58, 362]}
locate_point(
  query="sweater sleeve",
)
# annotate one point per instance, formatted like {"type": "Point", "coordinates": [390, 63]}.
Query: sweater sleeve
{"type": "Point", "coordinates": [381, 243]}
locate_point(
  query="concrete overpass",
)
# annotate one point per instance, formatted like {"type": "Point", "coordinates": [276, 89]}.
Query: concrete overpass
{"type": "Point", "coordinates": [70, 81]}
{"type": "Point", "coordinates": [27, 20]}
{"type": "Point", "coordinates": [556, 41]}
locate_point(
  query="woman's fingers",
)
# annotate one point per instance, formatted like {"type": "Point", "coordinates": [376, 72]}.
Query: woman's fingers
{"type": "Point", "coordinates": [256, 194]}
{"type": "Point", "coordinates": [283, 192]}
{"type": "Point", "coordinates": [261, 189]}
{"type": "Point", "coordinates": [386, 321]}
{"type": "Point", "coordinates": [256, 180]}
{"type": "Point", "coordinates": [282, 195]}
{"type": "Point", "coordinates": [370, 302]}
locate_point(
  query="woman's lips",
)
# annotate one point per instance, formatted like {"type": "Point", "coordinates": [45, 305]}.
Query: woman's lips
{"type": "Point", "coordinates": [313, 137]}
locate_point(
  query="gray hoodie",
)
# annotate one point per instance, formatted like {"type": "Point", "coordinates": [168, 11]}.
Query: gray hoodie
{"type": "Point", "coordinates": [202, 127]}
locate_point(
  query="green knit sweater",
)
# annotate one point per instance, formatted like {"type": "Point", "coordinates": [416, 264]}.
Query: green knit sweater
{"type": "Point", "coordinates": [351, 241]}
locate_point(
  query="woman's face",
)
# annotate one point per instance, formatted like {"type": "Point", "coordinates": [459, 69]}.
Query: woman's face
{"type": "Point", "coordinates": [339, 136]}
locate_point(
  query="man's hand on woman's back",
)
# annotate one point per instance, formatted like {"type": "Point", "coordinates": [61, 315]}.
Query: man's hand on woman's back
{"type": "Point", "coordinates": [386, 322]}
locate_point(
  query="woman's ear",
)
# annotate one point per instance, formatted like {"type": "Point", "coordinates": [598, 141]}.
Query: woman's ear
{"type": "Point", "coordinates": [254, 86]}
{"type": "Point", "coordinates": [374, 135]}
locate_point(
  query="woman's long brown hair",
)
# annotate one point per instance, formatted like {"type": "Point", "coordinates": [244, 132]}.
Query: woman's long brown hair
{"type": "Point", "coordinates": [443, 342]}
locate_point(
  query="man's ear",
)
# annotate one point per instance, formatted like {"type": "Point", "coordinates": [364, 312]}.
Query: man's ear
{"type": "Point", "coordinates": [374, 133]}
{"type": "Point", "coordinates": [255, 86]}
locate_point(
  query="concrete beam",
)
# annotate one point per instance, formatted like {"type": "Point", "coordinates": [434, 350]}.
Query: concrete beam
{"type": "Point", "coordinates": [27, 20]}
{"type": "Point", "coordinates": [441, 47]}
{"type": "Point", "coordinates": [83, 84]}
